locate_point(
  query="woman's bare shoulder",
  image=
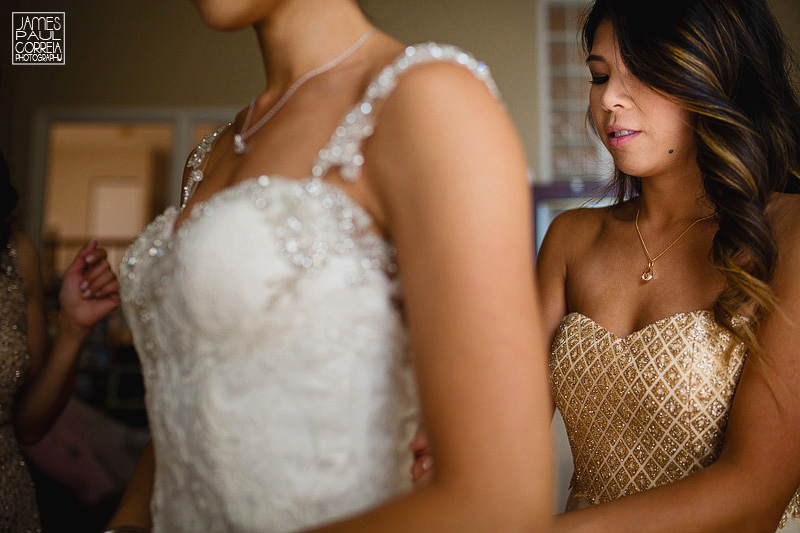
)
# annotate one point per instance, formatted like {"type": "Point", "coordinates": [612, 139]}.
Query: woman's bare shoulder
{"type": "Point", "coordinates": [783, 209]}
{"type": "Point", "coordinates": [26, 249]}
{"type": "Point", "coordinates": [27, 258]}
{"type": "Point", "coordinates": [783, 213]}
{"type": "Point", "coordinates": [430, 92]}
{"type": "Point", "coordinates": [582, 225]}
{"type": "Point", "coordinates": [440, 129]}
{"type": "Point", "coordinates": [570, 235]}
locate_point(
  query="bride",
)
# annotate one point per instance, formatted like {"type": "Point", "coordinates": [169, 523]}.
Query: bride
{"type": "Point", "coordinates": [370, 204]}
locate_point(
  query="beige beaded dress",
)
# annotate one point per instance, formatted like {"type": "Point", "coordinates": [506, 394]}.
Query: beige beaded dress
{"type": "Point", "coordinates": [18, 511]}
{"type": "Point", "coordinates": [647, 409]}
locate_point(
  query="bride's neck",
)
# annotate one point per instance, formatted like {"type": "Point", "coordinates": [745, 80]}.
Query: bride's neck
{"type": "Point", "coordinates": [300, 35]}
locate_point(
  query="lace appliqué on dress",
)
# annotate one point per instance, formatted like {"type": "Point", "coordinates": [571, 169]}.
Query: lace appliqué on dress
{"type": "Point", "coordinates": [278, 370]}
{"type": "Point", "coordinates": [344, 148]}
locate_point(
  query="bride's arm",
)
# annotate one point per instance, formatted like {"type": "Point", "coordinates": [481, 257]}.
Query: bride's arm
{"type": "Point", "coordinates": [449, 170]}
{"type": "Point", "coordinates": [551, 276]}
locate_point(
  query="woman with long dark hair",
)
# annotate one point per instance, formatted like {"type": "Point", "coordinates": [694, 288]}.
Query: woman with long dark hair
{"type": "Point", "coordinates": [36, 377]}
{"type": "Point", "coordinates": [675, 314]}
{"type": "Point", "coordinates": [684, 292]}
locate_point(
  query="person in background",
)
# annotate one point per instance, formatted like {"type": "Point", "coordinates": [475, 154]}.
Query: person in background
{"type": "Point", "coordinates": [675, 314]}
{"type": "Point", "coordinates": [36, 375]}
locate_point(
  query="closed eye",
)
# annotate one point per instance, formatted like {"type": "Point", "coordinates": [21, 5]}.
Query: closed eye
{"type": "Point", "coordinates": [598, 80]}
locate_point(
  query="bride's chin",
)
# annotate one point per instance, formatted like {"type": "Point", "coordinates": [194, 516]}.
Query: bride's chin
{"type": "Point", "coordinates": [231, 15]}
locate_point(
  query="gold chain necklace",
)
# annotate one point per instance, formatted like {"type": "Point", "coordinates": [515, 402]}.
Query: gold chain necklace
{"type": "Point", "coordinates": [648, 273]}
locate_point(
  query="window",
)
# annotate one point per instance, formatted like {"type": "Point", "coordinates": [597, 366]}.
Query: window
{"type": "Point", "coordinates": [571, 152]}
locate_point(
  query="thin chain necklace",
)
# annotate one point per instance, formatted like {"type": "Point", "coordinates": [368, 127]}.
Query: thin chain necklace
{"type": "Point", "coordinates": [239, 145]}
{"type": "Point", "coordinates": [648, 273]}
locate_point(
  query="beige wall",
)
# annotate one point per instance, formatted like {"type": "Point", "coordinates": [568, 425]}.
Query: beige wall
{"type": "Point", "coordinates": [500, 32]}
{"type": "Point", "coordinates": [156, 53]}
{"type": "Point", "coordinates": [788, 14]}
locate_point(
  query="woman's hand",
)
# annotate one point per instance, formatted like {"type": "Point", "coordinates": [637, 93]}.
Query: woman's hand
{"type": "Point", "coordinates": [421, 470]}
{"type": "Point", "coordinates": [89, 292]}
{"type": "Point", "coordinates": [89, 289]}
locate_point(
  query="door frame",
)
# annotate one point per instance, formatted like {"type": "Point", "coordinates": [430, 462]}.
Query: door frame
{"type": "Point", "coordinates": [182, 119]}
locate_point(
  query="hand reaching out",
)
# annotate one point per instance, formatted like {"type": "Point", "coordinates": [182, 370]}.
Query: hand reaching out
{"type": "Point", "coordinates": [89, 292]}
{"type": "Point", "coordinates": [422, 469]}
{"type": "Point", "coordinates": [89, 289]}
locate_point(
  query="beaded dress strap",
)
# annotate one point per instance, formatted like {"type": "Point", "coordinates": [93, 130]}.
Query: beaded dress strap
{"type": "Point", "coordinates": [196, 161]}
{"type": "Point", "coordinates": [344, 148]}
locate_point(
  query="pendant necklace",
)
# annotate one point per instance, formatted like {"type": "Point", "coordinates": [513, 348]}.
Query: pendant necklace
{"type": "Point", "coordinates": [239, 146]}
{"type": "Point", "coordinates": [648, 273]}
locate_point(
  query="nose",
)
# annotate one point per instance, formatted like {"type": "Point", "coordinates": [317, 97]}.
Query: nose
{"type": "Point", "coordinates": [615, 95]}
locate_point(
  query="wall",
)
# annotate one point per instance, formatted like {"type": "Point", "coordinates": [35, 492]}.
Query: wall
{"type": "Point", "coordinates": [152, 53]}
{"type": "Point", "coordinates": [788, 14]}
{"type": "Point", "coordinates": [159, 54]}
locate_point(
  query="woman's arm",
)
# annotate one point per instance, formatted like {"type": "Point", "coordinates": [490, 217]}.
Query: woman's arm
{"type": "Point", "coordinates": [551, 275]}
{"type": "Point", "coordinates": [447, 165]}
{"type": "Point", "coordinates": [134, 507]}
{"type": "Point", "coordinates": [551, 268]}
{"type": "Point", "coordinates": [89, 292]}
{"type": "Point", "coordinates": [758, 470]}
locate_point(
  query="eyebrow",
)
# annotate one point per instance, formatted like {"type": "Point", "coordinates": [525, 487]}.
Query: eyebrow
{"type": "Point", "coordinates": [593, 57]}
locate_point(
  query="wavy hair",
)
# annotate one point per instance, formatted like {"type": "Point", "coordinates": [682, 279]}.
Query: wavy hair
{"type": "Point", "coordinates": [726, 63]}
{"type": "Point", "coordinates": [8, 201]}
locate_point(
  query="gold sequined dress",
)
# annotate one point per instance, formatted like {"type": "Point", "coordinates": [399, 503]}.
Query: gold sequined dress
{"type": "Point", "coordinates": [647, 409]}
{"type": "Point", "coordinates": [18, 511]}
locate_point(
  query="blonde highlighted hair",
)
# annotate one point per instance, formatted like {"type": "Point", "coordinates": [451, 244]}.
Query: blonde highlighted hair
{"type": "Point", "coordinates": [727, 64]}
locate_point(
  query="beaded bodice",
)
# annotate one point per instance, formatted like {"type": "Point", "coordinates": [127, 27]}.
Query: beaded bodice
{"type": "Point", "coordinates": [278, 371]}
{"type": "Point", "coordinates": [18, 510]}
{"type": "Point", "coordinates": [14, 355]}
{"type": "Point", "coordinates": [646, 409]}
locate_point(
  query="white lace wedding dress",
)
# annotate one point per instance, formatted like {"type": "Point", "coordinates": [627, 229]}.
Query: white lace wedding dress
{"type": "Point", "coordinates": [278, 371]}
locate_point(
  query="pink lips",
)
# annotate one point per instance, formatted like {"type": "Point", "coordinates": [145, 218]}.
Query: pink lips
{"type": "Point", "coordinates": [618, 136]}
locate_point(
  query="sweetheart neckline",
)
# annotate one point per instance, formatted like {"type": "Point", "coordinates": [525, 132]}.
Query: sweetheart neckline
{"type": "Point", "coordinates": [172, 230]}
{"type": "Point", "coordinates": [398, 64]}
{"type": "Point", "coordinates": [641, 330]}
